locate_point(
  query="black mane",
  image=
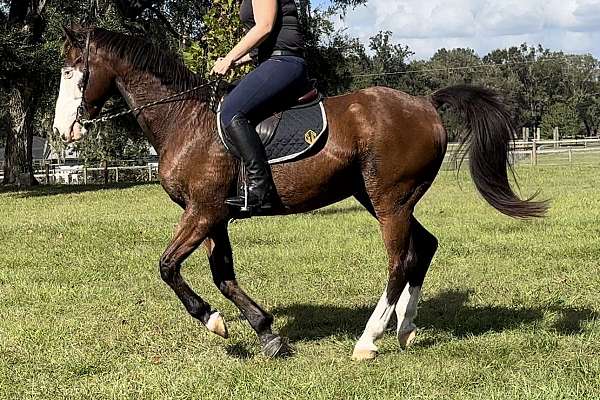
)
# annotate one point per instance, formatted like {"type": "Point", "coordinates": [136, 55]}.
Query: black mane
{"type": "Point", "coordinates": [145, 56]}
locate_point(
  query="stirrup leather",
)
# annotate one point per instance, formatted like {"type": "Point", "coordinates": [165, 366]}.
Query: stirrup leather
{"type": "Point", "coordinates": [244, 187]}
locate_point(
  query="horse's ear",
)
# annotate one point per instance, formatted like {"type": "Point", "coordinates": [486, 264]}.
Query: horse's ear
{"type": "Point", "coordinates": [72, 37]}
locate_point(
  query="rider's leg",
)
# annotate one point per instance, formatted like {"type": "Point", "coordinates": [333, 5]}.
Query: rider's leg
{"type": "Point", "coordinates": [273, 79]}
{"type": "Point", "coordinates": [248, 145]}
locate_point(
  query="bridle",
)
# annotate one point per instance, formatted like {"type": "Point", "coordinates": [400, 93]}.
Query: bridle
{"type": "Point", "coordinates": [83, 109]}
{"type": "Point", "coordinates": [83, 113]}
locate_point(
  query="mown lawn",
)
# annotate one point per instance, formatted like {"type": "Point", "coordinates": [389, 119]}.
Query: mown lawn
{"type": "Point", "coordinates": [510, 309]}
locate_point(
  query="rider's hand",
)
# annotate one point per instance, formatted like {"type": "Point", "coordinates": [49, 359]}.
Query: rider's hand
{"type": "Point", "coordinates": [222, 65]}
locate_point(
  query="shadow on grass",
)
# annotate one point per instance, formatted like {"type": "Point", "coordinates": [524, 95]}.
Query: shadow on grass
{"type": "Point", "coordinates": [338, 210]}
{"type": "Point", "coordinates": [448, 312]}
{"type": "Point", "coordinates": [239, 351]}
{"type": "Point", "coordinates": [53, 190]}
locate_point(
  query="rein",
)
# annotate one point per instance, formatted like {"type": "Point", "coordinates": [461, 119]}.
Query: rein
{"type": "Point", "coordinates": [83, 107]}
{"type": "Point", "coordinates": [105, 118]}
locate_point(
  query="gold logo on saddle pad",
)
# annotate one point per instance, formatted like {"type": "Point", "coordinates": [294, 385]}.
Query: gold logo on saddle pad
{"type": "Point", "coordinates": [310, 136]}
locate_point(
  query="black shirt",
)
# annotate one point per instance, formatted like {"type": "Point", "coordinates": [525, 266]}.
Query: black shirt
{"type": "Point", "coordinates": [286, 33]}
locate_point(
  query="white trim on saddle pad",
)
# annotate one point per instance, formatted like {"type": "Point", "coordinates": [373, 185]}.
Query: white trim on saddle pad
{"type": "Point", "coordinates": [283, 159]}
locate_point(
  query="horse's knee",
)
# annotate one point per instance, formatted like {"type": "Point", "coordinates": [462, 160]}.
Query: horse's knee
{"type": "Point", "coordinates": [167, 270]}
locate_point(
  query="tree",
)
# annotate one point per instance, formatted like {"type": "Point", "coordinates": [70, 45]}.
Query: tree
{"type": "Point", "coordinates": [388, 60]}
{"type": "Point", "coordinates": [588, 109]}
{"type": "Point", "coordinates": [533, 79]}
{"type": "Point", "coordinates": [182, 19]}
{"type": "Point", "coordinates": [563, 116]}
{"type": "Point", "coordinates": [222, 30]}
{"type": "Point", "coordinates": [22, 45]}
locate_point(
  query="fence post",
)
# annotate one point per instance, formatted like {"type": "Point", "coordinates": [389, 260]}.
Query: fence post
{"type": "Point", "coordinates": [105, 166]}
{"type": "Point", "coordinates": [534, 152]}
{"type": "Point", "coordinates": [47, 168]}
{"type": "Point", "coordinates": [570, 156]}
{"type": "Point", "coordinates": [149, 173]}
{"type": "Point", "coordinates": [85, 175]}
{"type": "Point", "coordinates": [556, 137]}
{"type": "Point", "coordinates": [117, 174]}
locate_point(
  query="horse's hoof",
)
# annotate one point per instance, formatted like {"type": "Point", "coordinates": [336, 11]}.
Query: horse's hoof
{"type": "Point", "coordinates": [277, 347]}
{"type": "Point", "coordinates": [407, 338]}
{"type": "Point", "coordinates": [216, 324]}
{"type": "Point", "coordinates": [363, 354]}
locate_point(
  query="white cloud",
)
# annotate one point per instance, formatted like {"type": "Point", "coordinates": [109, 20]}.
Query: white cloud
{"type": "Point", "coordinates": [569, 25]}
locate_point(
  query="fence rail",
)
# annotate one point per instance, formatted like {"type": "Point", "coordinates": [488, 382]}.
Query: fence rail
{"type": "Point", "coordinates": [539, 152]}
{"type": "Point", "coordinates": [528, 153]}
{"type": "Point", "coordinates": [78, 174]}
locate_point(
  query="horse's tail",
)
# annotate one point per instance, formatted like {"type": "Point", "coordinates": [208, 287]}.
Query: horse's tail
{"type": "Point", "coordinates": [488, 135]}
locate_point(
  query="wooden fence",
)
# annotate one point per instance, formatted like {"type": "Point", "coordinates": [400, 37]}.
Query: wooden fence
{"type": "Point", "coordinates": [540, 152]}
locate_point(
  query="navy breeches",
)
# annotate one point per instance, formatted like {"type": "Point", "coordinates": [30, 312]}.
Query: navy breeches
{"type": "Point", "coordinates": [272, 84]}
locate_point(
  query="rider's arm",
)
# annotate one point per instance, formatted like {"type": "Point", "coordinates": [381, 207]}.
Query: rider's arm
{"type": "Point", "coordinates": [265, 12]}
{"type": "Point", "coordinates": [244, 60]}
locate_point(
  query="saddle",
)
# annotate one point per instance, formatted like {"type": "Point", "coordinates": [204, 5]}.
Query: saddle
{"type": "Point", "coordinates": [291, 133]}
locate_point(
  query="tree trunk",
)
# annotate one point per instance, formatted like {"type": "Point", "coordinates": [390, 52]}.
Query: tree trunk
{"type": "Point", "coordinates": [25, 16]}
{"type": "Point", "coordinates": [18, 166]}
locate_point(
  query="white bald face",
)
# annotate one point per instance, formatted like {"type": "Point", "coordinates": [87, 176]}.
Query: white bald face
{"type": "Point", "coordinates": [70, 98]}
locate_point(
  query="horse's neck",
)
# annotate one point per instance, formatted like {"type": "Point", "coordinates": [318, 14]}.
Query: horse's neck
{"type": "Point", "coordinates": [158, 122]}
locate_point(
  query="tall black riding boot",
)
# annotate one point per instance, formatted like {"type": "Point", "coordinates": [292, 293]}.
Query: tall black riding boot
{"type": "Point", "coordinates": [260, 183]}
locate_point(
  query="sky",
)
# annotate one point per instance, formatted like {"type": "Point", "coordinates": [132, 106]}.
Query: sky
{"type": "Point", "coordinates": [427, 25]}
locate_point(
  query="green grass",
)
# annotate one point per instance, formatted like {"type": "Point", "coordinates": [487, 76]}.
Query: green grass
{"type": "Point", "coordinates": [509, 311]}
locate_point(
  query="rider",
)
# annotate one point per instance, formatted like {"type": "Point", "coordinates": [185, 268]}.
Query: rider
{"type": "Point", "coordinates": [275, 42]}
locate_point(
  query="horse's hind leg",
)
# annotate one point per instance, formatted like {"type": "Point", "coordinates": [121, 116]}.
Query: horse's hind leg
{"type": "Point", "coordinates": [190, 233]}
{"type": "Point", "coordinates": [220, 258]}
{"type": "Point", "coordinates": [396, 235]}
{"type": "Point", "coordinates": [423, 245]}
{"type": "Point", "coordinates": [410, 249]}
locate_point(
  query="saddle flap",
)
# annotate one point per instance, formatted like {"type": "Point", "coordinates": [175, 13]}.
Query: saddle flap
{"type": "Point", "coordinates": [266, 129]}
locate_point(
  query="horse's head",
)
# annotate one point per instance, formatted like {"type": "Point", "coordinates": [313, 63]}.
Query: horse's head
{"type": "Point", "coordinates": [86, 83]}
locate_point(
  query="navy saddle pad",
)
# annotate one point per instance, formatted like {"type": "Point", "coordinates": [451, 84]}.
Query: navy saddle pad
{"type": "Point", "coordinates": [288, 135]}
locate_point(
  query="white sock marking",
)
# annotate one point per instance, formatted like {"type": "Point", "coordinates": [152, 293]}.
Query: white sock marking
{"type": "Point", "coordinates": [377, 324]}
{"type": "Point", "coordinates": [406, 309]}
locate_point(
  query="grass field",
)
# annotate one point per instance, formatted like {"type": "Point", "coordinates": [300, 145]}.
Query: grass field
{"type": "Point", "coordinates": [510, 309]}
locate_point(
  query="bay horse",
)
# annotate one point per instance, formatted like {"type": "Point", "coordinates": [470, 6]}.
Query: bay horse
{"type": "Point", "coordinates": [384, 148]}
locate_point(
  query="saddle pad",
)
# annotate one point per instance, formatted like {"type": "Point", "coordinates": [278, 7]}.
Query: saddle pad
{"type": "Point", "coordinates": [289, 135]}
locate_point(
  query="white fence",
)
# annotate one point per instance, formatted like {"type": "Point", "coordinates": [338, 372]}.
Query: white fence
{"type": "Point", "coordinates": [541, 152]}
{"type": "Point", "coordinates": [79, 174]}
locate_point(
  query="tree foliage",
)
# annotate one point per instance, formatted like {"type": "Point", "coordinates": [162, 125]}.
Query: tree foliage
{"type": "Point", "coordinates": [563, 116]}
{"type": "Point", "coordinates": [222, 30]}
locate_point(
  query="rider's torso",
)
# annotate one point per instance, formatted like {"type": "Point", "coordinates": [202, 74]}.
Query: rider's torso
{"type": "Point", "coordinates": [286, 34]}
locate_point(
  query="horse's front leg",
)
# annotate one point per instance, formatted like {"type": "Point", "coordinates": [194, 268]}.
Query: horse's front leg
{"type": "Point", "coordinates": [190, 233]}
{"type": "Point", "coordinates": [220, 258]}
